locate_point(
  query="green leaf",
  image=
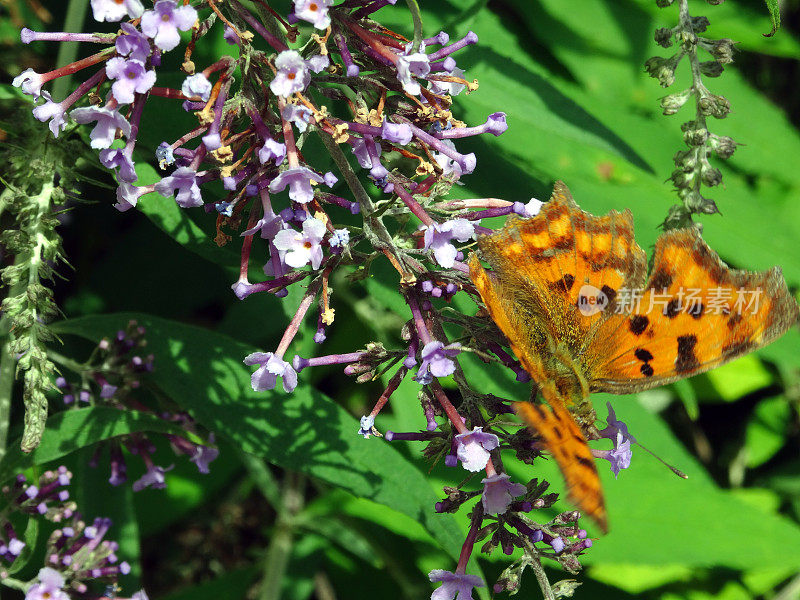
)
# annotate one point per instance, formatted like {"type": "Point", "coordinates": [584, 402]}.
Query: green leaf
{"type": "Point", "coordinates": [767, 429]}
{"type": "Point", "coordinates": [71, 430]}
{"type": "Point", "coordinates": [648, 497]}
{"type": "Point", "coordinates": [734, 380]}
{"type": "Point", "coordinates": [775, 16]}
{"type": "Point", "coordinates": [304, 431]}
{"type": "Point", "coordinates": [30, 537]}
{"type": "Point", "coordinates": [228, 585]}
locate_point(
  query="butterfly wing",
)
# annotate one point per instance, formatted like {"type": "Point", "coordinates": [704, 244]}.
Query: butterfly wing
{"type": "Point", "coordinates": [562, 437]}
{"type": "Point", "coordinates": [693, 314]}
{"type": "Point", "coordinates": [544, 268]}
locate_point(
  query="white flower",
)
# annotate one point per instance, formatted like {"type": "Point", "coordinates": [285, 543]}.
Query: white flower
{"type": "Point", "coordinates": [108, 122]}
{"type": "Point", "coordinates": [30, 82]}
{"type": "Point", "coordinates": [410, 66]}
{"type": "Point", "coordinates": [531, 209]}
{"type": "Point", "coordinates": [302, 248]}
{"type": "Point", "coordinates": [498, 492]}
{"type": "Point", "coordinates": [473, 448]}
{"type": "Point", "coordinates": [163, 22]}
{"type": "Point", "coordinates": [115, 10]}
{"type": "Point", "coordinates": [456, 586]}
{"type": "Point", "coordinates": [53, 112]}
{"type": "Point", "coordinates": [197, 85]}
{"type": "Point", "coordinates": [292, 75]}
{"type": "Point", "coordinates": [313, 11]}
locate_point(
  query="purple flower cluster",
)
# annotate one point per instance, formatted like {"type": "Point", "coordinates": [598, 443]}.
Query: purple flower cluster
{"type": "Point", "coordinates": [77, 555]}
{"type": "Point", "coordinates": [48, 498]}
{"type": "Point", "coordinates": [111, 379]}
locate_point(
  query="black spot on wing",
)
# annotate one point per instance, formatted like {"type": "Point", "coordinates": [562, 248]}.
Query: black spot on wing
{"type": "Point", "coordinates": [686, 360]}
{"type": "Point", "coordinates": [697, 310]}
{"type": "Point", "coordinates": [643, 355]}
{"type": "Point", "coordinates": [672, 308]}
{"type": "Point", "coordinates": [647, 370]}
{"type": "Point", "coordinates": [734, 320]}
{"type": "Point", "coordinates": [660, 281]}
{"type": "Point", "coordinates": [610, 293]}
{"type": "Point", "coordinates": [638, 324]}
{"type": "Point", "coordinates": [589, 464]}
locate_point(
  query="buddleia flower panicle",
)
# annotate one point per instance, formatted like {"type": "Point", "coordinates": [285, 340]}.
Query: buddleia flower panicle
{"type": "Point", "coordinates": [694, 169]}
{"type": "Point", "coordinates": [380, 104]}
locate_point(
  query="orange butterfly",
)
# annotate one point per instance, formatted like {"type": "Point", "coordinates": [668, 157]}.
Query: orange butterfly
{"type": "Point", "coordinates": [570, 292]}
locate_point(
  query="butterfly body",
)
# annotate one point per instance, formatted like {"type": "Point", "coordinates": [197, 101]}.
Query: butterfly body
{"type": "Point", "coordinates": [570, 292]}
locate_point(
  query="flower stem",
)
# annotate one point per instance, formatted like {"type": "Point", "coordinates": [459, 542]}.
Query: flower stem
{"type": "Point", "coordinates": [413, 7]}
{"type": "Point", "coordinates": [541, 576]}
{"type": "Point", "coordinates": [68, 51]}
{"type": "Point", "coordinates": [700, 152]}
{"type": "Point", "coordinates": [280, 547]}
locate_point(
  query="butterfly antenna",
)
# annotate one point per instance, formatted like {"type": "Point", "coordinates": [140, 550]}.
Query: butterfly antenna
{"type": "Point", "coordinates": [675, 470]}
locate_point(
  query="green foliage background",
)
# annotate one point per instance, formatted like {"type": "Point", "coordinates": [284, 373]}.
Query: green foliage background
{"type": "Point", "coordinates": [580, 108]}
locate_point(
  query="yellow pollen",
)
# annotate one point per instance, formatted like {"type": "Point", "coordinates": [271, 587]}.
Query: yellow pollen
{"type": "Point", "coordinates": [307, 245]}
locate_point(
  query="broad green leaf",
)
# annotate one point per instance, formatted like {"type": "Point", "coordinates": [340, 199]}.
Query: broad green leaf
{"type": "Point", "coordinates": [729, 590]}
{"type": "Point", "coordinates": [303, 431]}
{"type": "Point", "coordinates": [71, 430]}
{"type": "Point", "coordinates": [648, 497]}
{"type": "Point", "coordinates": [636, 578]}
{"type": "Point", "coordinates": [767, 430]}
{"type": "Point", "coordinates": [232, 586]}
{"type": "Point", "coordinates": [734, 380]}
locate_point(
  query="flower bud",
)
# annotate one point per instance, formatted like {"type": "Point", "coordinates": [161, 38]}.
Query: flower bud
{"type": "Point", "coordinates": [664, 3]}
{"type": "Point", "coordinates": [715, 2]}
{"type": "Point", "coordinates": [723, 50]}
{"type": "Point", "coordinates": [681, 178]}
{"type": "Point", "coordinates": [699, 24]}
{"type": "Point", "coordinates": [678, 217]}
{"type": "Point", "coordinates": [686, 160]}
{"type": "Point", "coordinates": [722, 145]}
{"type": "Point", "coordinates": [570, 563]}
{"type": "Point", "coordinates": [709, 175]}
{"type": "Point", "coordinates": [662, 69]}
{"type": "Point", "coordinates": [711, 68]}
{"type": "Point", "coordinates": [714, 105]}
{"type": "Point", "coordinates": [365, 377]}
{"type": "Point", "coordinates": [672, 103]}
{"type": "Point", "coordinates": [695, 203]}
{"type": "Point", "coordinates": [663, 37]}
{"type": "Point", "coordinates": [694, 135]}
